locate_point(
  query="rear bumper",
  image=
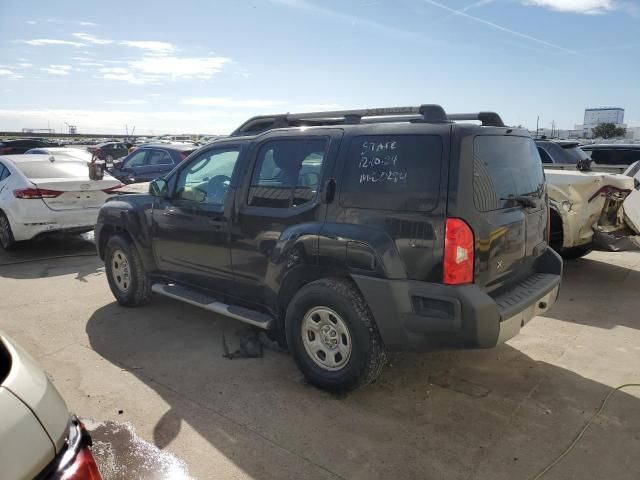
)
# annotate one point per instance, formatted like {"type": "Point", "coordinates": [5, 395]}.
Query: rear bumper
{"type": "Point", "coordinates": [414, 316]}
{"type": "Point", "coordinates": [44, 220]}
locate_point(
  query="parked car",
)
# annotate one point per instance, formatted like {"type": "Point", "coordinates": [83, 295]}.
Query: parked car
{"type": "Point", "coordinates": [364, 231]}
{"type": "Point", "coordinates": [39, 438]}
{"type": "Point", "coordinates": [149, 162]}
{"type": "Point", "coordinates": [109, 151]}
{"type": "Point", "coordinates": [560, 151]}
{"type": "Point", "coordinates": [614, 153]}
{"type": "Point", "coordinates": [584, 212]}
{"type": "Point", "coordinates": [63, 152]}
{"type": "Point", "coordinates": [20, 145]}
{"type": "Point", "coordinates": [38, 195]}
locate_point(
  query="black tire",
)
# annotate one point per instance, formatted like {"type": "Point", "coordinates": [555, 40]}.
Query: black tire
{"type": "Point", "coordinates": [128, 281]}
{"type": "Point", "coordinates": [6, 234]}
{"type": "Point", "coordinates": [574, 252]}
{"type": "Point", "coordinates": [367, 354]}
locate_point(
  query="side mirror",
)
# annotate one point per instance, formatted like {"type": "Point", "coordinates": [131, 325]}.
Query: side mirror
{"type": "Point", "coordinates": [117, 164]}
{"type": "Point", "coordinates": [159, 188]}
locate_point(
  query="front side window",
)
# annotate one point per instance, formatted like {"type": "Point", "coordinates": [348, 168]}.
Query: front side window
{"type": "Point", "coordinates": [504, 167]}
{"type": "Point", "coordinates": [207, 177]}
{"type": "Point", "coordinates": [136, 160]}
{"type": "Point", "coordinates": [287, 172]}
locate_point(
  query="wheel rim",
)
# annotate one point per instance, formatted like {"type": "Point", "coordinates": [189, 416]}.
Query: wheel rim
{"type": "Point", "coordinates": [120, 271]}
{"type": "Point", "coordinates": [326, 338]}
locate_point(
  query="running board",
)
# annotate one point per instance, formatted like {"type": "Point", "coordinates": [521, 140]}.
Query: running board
{"type": "Point", "coordinates": [201, 300]}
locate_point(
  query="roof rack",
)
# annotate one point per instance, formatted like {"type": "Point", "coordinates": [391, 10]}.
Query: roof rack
{"type": "Point", "coordinates": [428, 113]}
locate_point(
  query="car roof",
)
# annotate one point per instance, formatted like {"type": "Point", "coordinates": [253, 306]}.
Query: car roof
{"type": "Point", "coordinates": [167, 146]}
{"type": "Point", "coordinates": [612, 146]}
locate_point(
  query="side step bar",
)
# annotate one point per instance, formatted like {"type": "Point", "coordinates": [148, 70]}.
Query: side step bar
{"type": "Point", "coordinates": [257, 319]}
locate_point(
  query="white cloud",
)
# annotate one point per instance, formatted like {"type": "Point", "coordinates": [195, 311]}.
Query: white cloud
{"type": "Point", "coordinates": [6, 71]}
{"type": "Point", "coordinates": [39, 42]}
{"type": "Point", "coordinates": [230, 102]}
{"type": "Point", "coordinates": [88, 24]}
{"type": "Point", "coordinates": [87, 37]}
{"type": "Point", "coordinates": [133, 101]}
{"type": "Point", "coordinates": [31, 22]}
{"type": "Point", "coordinates": [54, 69]}
{"type": "Point", "coordinates": [180, 67]}
{"type": "Point", "coordinates": [151, 46]}
{"type": "Point", "coordinates": [577, 6]}
{"type": "Point", "coordinates": [91, 64]}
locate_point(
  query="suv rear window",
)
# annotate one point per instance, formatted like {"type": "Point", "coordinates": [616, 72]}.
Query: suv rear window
{"type": "Point", "coordinates": [504, 166]}
{"type": "Point", "coordinates": [392, 172]}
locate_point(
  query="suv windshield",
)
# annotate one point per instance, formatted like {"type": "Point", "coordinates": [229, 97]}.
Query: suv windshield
{"type": "Point", "coordinates": [504, 167]}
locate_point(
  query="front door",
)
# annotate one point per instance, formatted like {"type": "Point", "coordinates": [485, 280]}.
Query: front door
{"type": "Point", "coordinates": [191, 227]}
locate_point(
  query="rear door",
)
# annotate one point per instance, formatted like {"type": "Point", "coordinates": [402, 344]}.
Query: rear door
{"type": "Point", "coordinates": [509, 204]}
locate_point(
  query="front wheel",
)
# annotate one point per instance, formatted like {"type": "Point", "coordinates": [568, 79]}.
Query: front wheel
{"type": "Point", "coordinates": [125, 273]}
{"type": "Point", "coordinates": [333, 336]}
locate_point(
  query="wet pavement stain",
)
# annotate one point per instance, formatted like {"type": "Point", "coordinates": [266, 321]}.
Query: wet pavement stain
{"type": "Point", "coordinates": [121, 454]}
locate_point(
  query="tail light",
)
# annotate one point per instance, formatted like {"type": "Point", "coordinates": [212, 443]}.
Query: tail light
{"type": "Point", "coordinates": [83, 467]}
{"type": "Point", "coordinates": [35, 193]}
{"type": "Point", "coordinates": [112, 189]}
{"type": "Point", "coordinates": [458, 252]}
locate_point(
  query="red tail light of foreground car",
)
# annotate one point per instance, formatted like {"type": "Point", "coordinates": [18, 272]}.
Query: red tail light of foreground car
{"type": "Point", "coordinates": [76, 461]}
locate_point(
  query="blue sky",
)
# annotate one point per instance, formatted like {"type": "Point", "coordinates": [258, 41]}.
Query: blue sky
{"type": "Point", "coordinates": [205, 66]}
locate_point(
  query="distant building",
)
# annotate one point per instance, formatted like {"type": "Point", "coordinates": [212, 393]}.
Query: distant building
{"type": "Point", "coordinates": [596, 116]}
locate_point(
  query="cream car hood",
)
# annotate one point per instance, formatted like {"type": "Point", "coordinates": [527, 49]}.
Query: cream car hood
{"type": "Point", "coordinates": [27, 382]}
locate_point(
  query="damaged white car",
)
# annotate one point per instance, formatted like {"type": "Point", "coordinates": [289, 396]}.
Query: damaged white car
{"type": "Point", "coordinates": [593, 210]}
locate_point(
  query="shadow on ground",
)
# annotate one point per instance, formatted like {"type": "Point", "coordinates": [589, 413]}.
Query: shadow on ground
{"type": "Point", "coordinates": [598, 294]}
{"type": "Point", "coordinates": [55, 254]}
{"type": "Point", "coordinates": [484, 414]}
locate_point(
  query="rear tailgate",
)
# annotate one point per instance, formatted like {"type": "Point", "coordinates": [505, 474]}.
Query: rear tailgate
{"type": "Point", "coordinates": [509, 218]}
{"type": "Point", "coordinates": [66, 185]}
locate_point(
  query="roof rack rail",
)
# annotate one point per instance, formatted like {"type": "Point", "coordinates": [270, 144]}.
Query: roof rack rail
{"type": "Point", "coordinates": [429, 113]}
{"type": "Point", "coordinates": [488, 119]}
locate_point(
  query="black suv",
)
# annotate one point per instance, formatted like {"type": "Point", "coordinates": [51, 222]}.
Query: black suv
{"type": "Point", "coordinates": [347, 234]}
{"type": "Point", "coordinates": [561, 151]}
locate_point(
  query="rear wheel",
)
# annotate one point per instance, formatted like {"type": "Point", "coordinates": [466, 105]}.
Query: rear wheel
{"type": "Point", "coordinates": [333, 336]}
{"type": "Point", "coordinates": [125, 273]}
{"type": "Point", "coordinates": [6, 234]}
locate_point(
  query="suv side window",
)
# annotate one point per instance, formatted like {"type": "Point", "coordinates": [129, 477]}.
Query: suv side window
{"type": "Point", "coordinates": [392, 172]}
{"type": "Point", "coordinates": [544, 156]}
{"type": "Point", "coordinates": [287, 172]}
{"type": "Point", "coordinates": [207, 177]}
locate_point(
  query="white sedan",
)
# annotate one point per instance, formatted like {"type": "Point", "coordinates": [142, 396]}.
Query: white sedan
{"type": "Point", "coordinates": [43, 193]}
{"type": "Point", "coordinates": [62, 153]}
{"type": "Point", "coordinates": [38, 436]}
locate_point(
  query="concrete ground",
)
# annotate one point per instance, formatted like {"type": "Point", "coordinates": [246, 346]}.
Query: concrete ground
{"type": "Point", "coordinates": [485, 414]}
